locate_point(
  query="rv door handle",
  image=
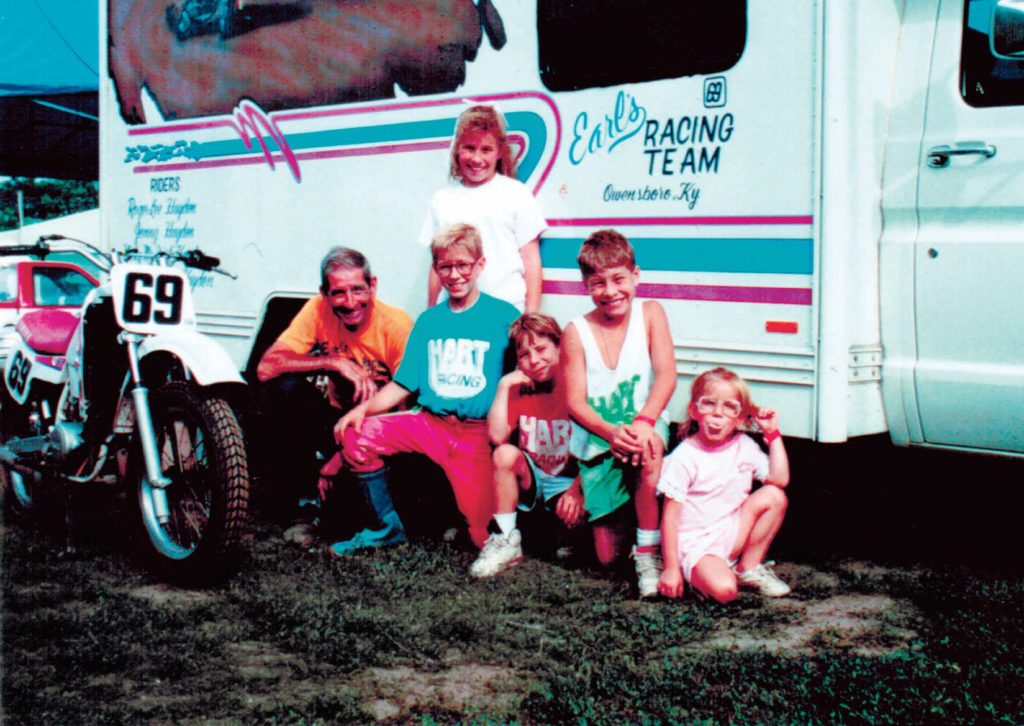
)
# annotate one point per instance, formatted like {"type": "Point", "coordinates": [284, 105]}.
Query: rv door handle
{"type": "Point", "coordinates": [938, 156]}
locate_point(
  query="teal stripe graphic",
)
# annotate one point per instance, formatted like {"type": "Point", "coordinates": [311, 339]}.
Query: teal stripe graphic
{"type": "Point", "coordinates": [532, 127]}
{"type": "Point", "coordinates": [525, 123]}
{"type": "Point", "coordinates": [779, 256]}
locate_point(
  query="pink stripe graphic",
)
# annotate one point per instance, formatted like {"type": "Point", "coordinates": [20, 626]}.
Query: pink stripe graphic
{"type": "Point", "coordinates": [650, 221]}
{"type": "Point", "coordinates": [300, 115]}
{"type": "Point", "coordinates": [165, 128]}
{"type": "Point", "coordinates": [301, 156]}
{"type": "Point", "coordinates": [713, 293]}
{"type": "Point", "coordinates": [373, 150]}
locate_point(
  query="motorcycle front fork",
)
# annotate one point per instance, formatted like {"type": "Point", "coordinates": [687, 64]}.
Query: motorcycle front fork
{"type": "Point", "coordinates": [146, 431]}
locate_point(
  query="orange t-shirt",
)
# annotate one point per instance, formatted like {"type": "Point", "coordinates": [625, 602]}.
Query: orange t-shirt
{"type": "Point", "coordinates": [378, 348]}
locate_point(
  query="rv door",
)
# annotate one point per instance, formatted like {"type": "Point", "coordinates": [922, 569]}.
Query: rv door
{"type": "Point", "coordinates": [969, 255]}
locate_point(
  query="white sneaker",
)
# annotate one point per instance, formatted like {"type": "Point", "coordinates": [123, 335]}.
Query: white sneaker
{"type": "Point", "coordinates": [302, 534]}
{"type": "Point", "coordinates": [499, 552]}
{"type": "Point", "coordinates": [766, 581]}
{"type": "Point", "coordinates": [648, 570]}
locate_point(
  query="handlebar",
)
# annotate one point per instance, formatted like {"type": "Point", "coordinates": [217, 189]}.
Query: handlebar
{"type": "Point", "coordinates": [41, 248]}
{"type": "Point", "coordinates": [196, 259]}
{"type": "Point", "coordinates": [193, 258]}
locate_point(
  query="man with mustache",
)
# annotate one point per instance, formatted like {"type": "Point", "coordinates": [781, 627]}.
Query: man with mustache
{"type": "Point", "coordinates": [345, 335]}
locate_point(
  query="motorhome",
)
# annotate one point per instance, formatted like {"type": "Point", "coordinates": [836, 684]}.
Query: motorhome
{"type": "Point", "coordinates": [826, 196]}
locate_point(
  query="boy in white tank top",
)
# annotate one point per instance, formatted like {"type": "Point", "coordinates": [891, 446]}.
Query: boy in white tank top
{"type": "Point", "coordinates": [618, 368]}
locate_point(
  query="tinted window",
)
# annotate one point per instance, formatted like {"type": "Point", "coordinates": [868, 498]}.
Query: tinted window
{"type": "Point", "coordinates": [8, 284]}
{"type": "Point", "coordinates": [60, 286]}
{"type": "Point", "coordinates": [587, 43]}
{"type": "Point", "coordinates": [985, 79]}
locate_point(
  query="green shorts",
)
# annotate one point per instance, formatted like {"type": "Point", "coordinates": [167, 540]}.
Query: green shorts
{"type": "Point", "coordinates": [607, 484]}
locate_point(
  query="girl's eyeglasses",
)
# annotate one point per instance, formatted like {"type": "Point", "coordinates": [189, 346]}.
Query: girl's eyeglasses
{"type": "Point", "coordinates": [731, 407]}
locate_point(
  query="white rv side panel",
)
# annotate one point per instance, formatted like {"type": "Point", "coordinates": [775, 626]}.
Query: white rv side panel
{"type": "Point", "coordinates": [859, 52]}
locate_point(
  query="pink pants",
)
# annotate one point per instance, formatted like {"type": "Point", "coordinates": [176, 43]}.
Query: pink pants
{"type": "Point", "coordinates": [460, 448]}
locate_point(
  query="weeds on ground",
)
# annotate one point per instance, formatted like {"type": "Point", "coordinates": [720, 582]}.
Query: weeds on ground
{"type": "Point", "coordinates": [404, 634]}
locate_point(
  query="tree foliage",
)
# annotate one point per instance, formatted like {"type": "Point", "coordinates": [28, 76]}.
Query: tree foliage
{"type": "Point", "coordinates": [45, 199]}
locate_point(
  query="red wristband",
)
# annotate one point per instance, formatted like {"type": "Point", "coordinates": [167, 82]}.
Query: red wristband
{"type": "Point", "coordinates": [769, 438]}
{"type": "Point", "coordinates": [644, 419]}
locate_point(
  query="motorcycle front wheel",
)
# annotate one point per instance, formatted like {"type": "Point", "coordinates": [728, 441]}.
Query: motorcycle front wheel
{"type": "Point", "coordinates": [197, 534]}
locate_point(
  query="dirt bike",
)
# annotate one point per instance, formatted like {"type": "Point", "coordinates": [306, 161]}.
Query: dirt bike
{"type": "Point", "coordinates": [128, 393]}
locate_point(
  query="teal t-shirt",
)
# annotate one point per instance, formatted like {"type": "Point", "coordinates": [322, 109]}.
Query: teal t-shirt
{"type": "Point", "coordinates": [453, 361]}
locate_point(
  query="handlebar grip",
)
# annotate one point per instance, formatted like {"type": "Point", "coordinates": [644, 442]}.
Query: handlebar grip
{"type": "Point", "coordinates": [40, 248]}
{"type": "Point", "coordinates": [200, 260]}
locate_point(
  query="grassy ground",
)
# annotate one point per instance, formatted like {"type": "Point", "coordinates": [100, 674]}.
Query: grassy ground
{"type": "Point", "coordinates": [404, 635]}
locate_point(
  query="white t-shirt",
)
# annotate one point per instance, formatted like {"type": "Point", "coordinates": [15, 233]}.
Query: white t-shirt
{"type": "Point", "coordinates": [507, 216]}
{"type": "Point", "coordinates": [711, 483]}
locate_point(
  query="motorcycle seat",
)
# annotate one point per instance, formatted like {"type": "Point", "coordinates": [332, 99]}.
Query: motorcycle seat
{"type": "Point", "coordinates": [47, 331]}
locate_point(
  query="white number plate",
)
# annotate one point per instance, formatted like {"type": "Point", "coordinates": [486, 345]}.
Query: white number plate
{"type": "Point", "coordinates": [19, 372]}
{"type": "Point", "coordinates": [150, 298]}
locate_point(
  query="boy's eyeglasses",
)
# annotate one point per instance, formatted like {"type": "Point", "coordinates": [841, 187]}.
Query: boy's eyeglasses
{"type": "Point", "coordinates": [462, 268]}
{"type": "Point", "coordinates": [731, 407]}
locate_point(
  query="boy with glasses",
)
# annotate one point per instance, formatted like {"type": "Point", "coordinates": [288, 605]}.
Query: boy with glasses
{"type": "Point", "coordinates": [454, 359]}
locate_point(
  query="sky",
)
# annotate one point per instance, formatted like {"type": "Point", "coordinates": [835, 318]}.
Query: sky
{"type": "Point", "coordinates": [50, 44]}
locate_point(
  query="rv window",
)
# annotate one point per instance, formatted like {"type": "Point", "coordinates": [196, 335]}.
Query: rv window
{"type": "Point", "coordinates": [990, 74]}
{"type": "Point", "coordinates": [1008, 29]}
{"type": "Point", "coordinates": [608, 42]}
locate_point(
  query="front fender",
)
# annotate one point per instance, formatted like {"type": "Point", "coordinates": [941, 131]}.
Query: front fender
{"type": "Point", "coordinates": [208, 362]}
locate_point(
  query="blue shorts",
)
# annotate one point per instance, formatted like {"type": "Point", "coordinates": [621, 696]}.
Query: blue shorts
{"type": "Point", "coordinates": [545, 487]}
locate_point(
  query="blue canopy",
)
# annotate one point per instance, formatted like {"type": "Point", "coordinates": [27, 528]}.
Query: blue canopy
{"type": "Point", "coordinates": [49, 82]}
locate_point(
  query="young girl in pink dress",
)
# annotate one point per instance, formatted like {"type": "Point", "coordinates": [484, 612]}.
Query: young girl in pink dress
{"type": "Point", "coordinates": [715, 531]}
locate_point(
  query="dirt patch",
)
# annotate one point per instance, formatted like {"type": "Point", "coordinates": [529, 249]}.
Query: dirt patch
{"type": "Point", "coordinates": [160, 594]}
{"type": "Point", "coordinates": [867, 624]}
{"type": "Point", "coordinates": [270, 677]}
{"type": "Point", "coordinates": [870, 625]}
{"type": "Point", "coordinates": [866, 570]}
{"type": "Point", "coordinates": [274, 676]}
{"type": "Point", "coordinates": [460, 687]}
{"type": "Point", "coordinates": [258, 661]}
